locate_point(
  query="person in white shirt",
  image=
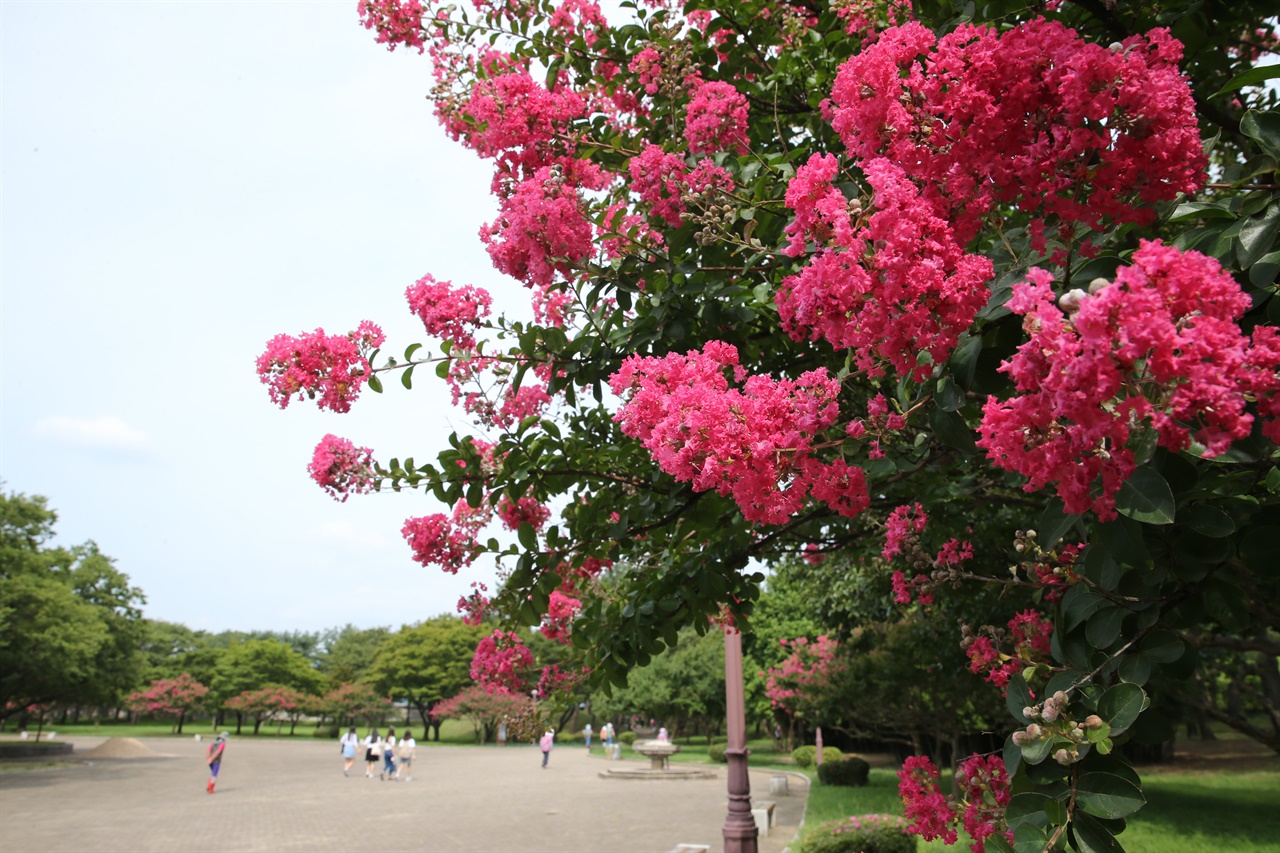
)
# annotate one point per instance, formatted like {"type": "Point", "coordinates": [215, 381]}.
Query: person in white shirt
{"type": "Point", "coordinates": [348, 743]}
{"type": "Point", "coordinates": [406, 751]}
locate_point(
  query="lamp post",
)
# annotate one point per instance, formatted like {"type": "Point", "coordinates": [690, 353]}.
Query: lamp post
{"type": "Point", "coordinates": [739, 826]}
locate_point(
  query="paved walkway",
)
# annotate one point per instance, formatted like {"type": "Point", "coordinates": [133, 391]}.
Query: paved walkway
{"type": "Point", "coordinates": [292, 796]}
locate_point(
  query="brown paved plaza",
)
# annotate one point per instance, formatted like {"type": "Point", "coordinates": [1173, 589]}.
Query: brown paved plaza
{"type": "Point", "coordinates": [280, 795]}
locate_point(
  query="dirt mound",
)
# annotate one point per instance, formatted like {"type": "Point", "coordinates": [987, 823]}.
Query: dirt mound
{"type": "Point", "coordinates": [119, 747]}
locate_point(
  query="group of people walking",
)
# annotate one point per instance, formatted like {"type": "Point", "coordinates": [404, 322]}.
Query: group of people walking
{"type": "Point", "coordinates": [395, 755]}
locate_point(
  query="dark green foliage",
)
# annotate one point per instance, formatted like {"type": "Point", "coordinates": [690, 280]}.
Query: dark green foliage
{"type": "Point", "coordinates": [716, 753]}
{"type": "Point", "coordinates": [807, 756]}
{"type": "Point", "coordinates": [850, 772]}
{"type": "Point", "coordinates": [627, 737]}
{"type": "Point", "coordinates": [329, 732]}
{"type": "Point", "coordinates": [861, 834]}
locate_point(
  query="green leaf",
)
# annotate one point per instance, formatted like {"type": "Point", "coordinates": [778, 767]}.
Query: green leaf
{"type": "Point", "coordinates": [406, 377]}
{"type": "Point", "coordinates": [1121, 705]}
{"type": "Point", "coordinates": [1054, 523]}
{"type": "Point", "coordinates": [1104, 626]}
{"type": "Point", "coordinates": [528, 536]}
{"type": "Point", "coordinates": [1037, 750]}
{"type": "Point", "coordinates": [1200, 210]}
{"type": "Point", "coordinates": [1026, 808]}
{"type": "Point", "coordinates": [1263, 128]}
{"type": "Point", "coordinates": [375, 384]}
{"type": "Point", "coordinates": [1135, 669]}
{"type": "Point", "coordinates": [1018, 696]}
{"type": "Point", "coordinates": [1077, 606]}
{"type": "Point", "coordinates": [1146, 497]}
{"type": "Point", "coordinates": [1108, 796]}
{"type": "Point", "coordinates": [1092, 837]}
{"type": "Point", "coordinates": [1208, 520]}
{"type": "Point", "coordinates": [952, 431]}
{"type": "Point", "coordinates": [1162, 647]}
{"type": "Point", "coordinates": [1252, 77]}
{"type": "Point", "coordinates": [410, 350]}
{"type": "Point", "coordinates": [1257, 236]}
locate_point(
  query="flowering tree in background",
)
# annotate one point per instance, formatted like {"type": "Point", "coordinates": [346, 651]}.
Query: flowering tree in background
{"type": "Point", "coordinates": [926, 288]}
{"type": "Point", "coordinates": [354, 703]}
{"type": "Point", "coordinates": [169, 697]}
{"type": "Point", "coordinates": [486, 707]}
{"type": "Point", "coordinates": [802, 685]}
{"type": "Point", "coordinates": [269, 703]}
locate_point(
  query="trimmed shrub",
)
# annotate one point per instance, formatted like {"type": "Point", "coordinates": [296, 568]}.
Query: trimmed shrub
{"type": "Point", "coordinates": [570, 738]}
{"type": "Point", "coordinates": [627, 737]}
{"type": "Point", "coordinates": [807, 756]}
{"type": "Point", "coordinates": [716, 753]}
{"type": "Point", "coordinates": [849, 772]}
{"type": "Point", "coordinates": [868, 833]}
{"type": "Point", "coordinates": [326, 732]}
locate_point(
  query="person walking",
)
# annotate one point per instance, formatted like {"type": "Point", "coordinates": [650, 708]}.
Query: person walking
{"type": "Point", "coordinates": [372, 752]}
{"type": "Point", "coordinates": [348, 744]}
{"type": "Point", "coordinates": [586, 733]}
{"type": "Point", "coordinates": [548, 741]}
{"type": "Point", "coordinates": [389, 756]}
{"type": "Point", "coordinates": [406, 752]}
{"type": "Point", "coordinates": [213, 756]}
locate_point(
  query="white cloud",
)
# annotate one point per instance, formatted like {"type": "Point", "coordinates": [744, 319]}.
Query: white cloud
{"type": "Point", "coordinates": [105, 432]}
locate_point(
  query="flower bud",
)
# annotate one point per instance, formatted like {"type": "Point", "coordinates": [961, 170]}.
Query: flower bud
{"type": "Point", "coordinates": [1062, 757]}
{"type": "Point", "coordinates": [1070, 301]}
{"type": "Point", "coordinates": [1092, 721]}
{"type": "Point", "coordinates": [1035, 732]}
{"type": "Point", "coordinates": [1097, 284]}
{"type": "Point", "coordinates": [1021, 738]}
{"type": "Point", "coordinates": [1029, 712]}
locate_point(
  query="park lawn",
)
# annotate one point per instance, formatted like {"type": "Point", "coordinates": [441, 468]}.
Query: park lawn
{"type": "Point", "coordinates": [1185, 812]}
{"type": "Point", "coordinates": [452, 732]}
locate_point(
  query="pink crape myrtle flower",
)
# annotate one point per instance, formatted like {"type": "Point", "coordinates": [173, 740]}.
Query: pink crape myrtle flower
{"type": "Point", "coordinates": [475, 605]}
{"type": "Point", "coordinates": [341, 468]}
{"type": "Point", "coordinates": [578, 18]}
{"type": "Point", "coordinates": [913, 295]}
{"type": "Point", "coordinates": [822, 211]}
{"type": "Point", "coordinates": [542, 228]}
{"type": "Point", "coordinates": [560, 614]}
{"type": "Point", "coordinates": [656, 177]}
{"type": "Point", "coordinates": [330, 369]}
{"type": "Point", "coordinates": [396, 22]}
{"type": "Point", "coordinates": [501, 662]}
{"type": "Point", "coordinates": [753, 443]}
{"type": "Point", "coordinates": [526, 510]}
{"type": "Point", "coordinates": [984, 786]}
{"type": "Point", "coordinates": [448, 312]}
{"type": "Point", "coordinates": [527, 401]}
{"type": "Point", "coordinates": [931, 814]}
{"type": "Point", "coordinates": [904, 521]}
{"type": "Point", "coordinates": [1159, 348]}
{"type": "Point", "coordinates": [647, 66]}
{"type": "Point", "coordinates": [447, 541]}
{"type": "Point", "coordinates": [513, 113]}
{"type": "Point", "coordinates": [716, 119]}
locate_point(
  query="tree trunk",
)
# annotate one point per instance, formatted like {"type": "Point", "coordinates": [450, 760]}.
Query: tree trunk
{"type": "Point", "coordinates": [239, 722]}
{"type": "Point", "coordinates": [293, 724]}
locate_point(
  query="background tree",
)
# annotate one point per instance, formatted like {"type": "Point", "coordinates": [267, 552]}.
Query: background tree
{"type": "Point", "coordinates": [250, 666]}
{"type": "Point", "coordinates": [70, 624]}
{"type": "Point", "coordinates": [485, 709]}
{"type": "Point", "coordinates": [175, 697]}
{"type": "Point", "coordinates": [349, 652]}
{"type": "Point", "coordinates": [425, 664]}
{"type": "Point", "coordinates": [354, 703]}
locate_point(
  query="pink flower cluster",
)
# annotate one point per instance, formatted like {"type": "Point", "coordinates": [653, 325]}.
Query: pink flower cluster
{"type": "Point", "coordinates": [984, 786]}
{"type": "Point", "coordinates": [804, 673]}
{"type": "Point", "coordinates": [396, 22]}
{"type": "Point", "coordinates": [447, 541]}
{"type": "Point", "coordinates": [1159, 348]}
{"type": "Point", "coordinates": [559, 618]}
{"type": "Point", "coordinates": [541, 228]}
{"type": "Point", "coordinates": [501, 662]}
{"type": "Point", "coordinates": [331, 368]}
{"type": "Point", "coordinates": [931, 814]}
{"type": "Point", "coordinates": [475, 605]}
{"type": "Point", "coordinates": [656, 177]}
{"type": "Point", "coordinates": [578, 18]}
{"type": "Point", "coordinates": [754, 443]}
{"type": "Point", "coordinates": [341, 468]}
{"type": "Point", "coordinates": [647, 66]}
{"type": "Point", "coordinates": [526, 510]}
{"type": "Point", "coordinates": [902, 523]}
{"type": "Point", "coordinates": [1032, 116]}
{"type": "Point", "coordinates": [447, 312]}
{"type": "Point", "coordinates": [519, 403]}
{"type": "Point", "coordinates": [716, 119]}
{"type": "Point", "coordinates": [1031, 635]}
{"type": "Point", "coordinates": [897, 290]}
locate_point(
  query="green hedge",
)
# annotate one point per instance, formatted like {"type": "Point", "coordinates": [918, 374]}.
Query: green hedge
{"type": "Point", "coordinates": [868, 833]}
{"type": "Point", "coordinates": [627, 737]}
{"type": "Point", "coordinates": [849, 772]}
{"type": "Point", "coordinates": [326, 732]}
{"type": "Point", "coordinates": [807, 756]}
{"type": "Point", "coordinates": [716, 753]}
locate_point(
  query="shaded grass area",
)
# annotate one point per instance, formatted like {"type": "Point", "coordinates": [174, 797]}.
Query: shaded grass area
{"type": "Point", "coordinates": [1185, 813]}
{"type": "Point", "coordinates": [452, 732]}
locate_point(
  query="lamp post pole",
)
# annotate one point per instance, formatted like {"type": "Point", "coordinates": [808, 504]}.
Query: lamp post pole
{"type": "Point", "coordinates": [739, 826]}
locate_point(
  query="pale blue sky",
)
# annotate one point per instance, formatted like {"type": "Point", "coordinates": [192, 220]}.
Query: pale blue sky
{"type": "Point", "coordinates": [181, 181]}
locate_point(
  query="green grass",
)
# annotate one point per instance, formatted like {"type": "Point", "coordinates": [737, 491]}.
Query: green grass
{"type": "Point", "coordinates": [1185, 813]}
